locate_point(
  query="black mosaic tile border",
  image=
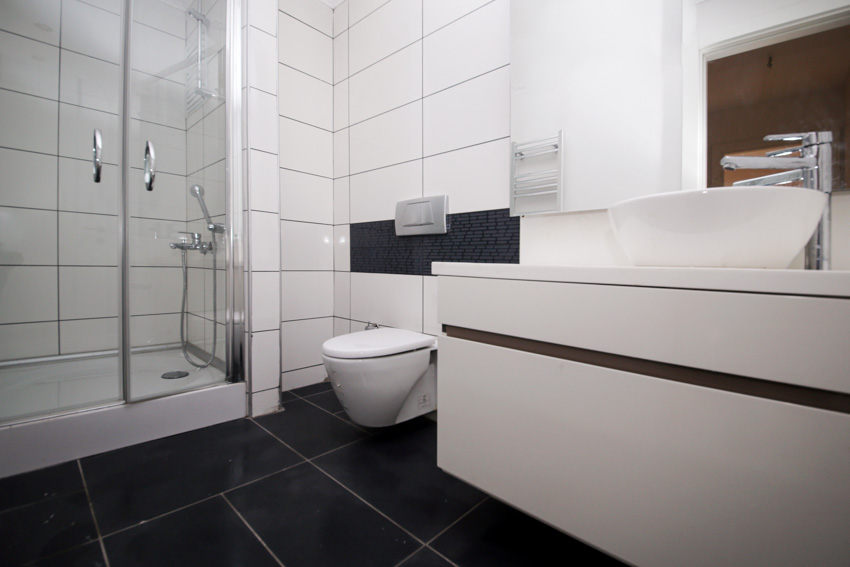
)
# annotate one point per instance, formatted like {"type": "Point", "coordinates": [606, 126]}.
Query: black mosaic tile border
{"type": "Point", "coordinates": [480, 236]}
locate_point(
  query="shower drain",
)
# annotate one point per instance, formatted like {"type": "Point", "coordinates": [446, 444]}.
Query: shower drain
{"type": "Point", "coordinates": [175, 374]}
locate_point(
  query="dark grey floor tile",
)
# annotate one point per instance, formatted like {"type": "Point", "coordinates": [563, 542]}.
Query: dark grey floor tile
{"type": "Point", "coordinates": [142, 481]}
{"type": "Point", "coordinates": [88, 555]}
{"type": "Point", "coordinates": [38, 485]}
{"type": "Point", "coordinates": [312, 389]}
{"type": "Point", "coordinates": [44, 528]}
{"type": "Point", "coordinates": [396, 471]}
{"type": "Point", "coordinates": [208, 533]}
{"type": "Point", "coordinates": [308, 520]}
{"type": "Point", "coordinates": [309, 430]}
{"type": "Point", "coordinates": [496, 535]}
{"type": "Point", "coordinates": [327, 401]}
{"type": "Point", "coordinates": [426, 558]}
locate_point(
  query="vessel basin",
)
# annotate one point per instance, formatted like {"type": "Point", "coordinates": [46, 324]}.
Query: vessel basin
{"type": "Point", "coordinates": [722, 227]}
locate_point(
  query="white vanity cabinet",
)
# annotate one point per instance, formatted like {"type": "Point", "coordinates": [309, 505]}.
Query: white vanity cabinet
{"type": "Point", "coordinates": [667, 426]}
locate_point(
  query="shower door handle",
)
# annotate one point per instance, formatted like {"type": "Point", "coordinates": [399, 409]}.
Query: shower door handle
{"type": "Point", "coordinates": [150, 165]}
{"type": "Point", "coordinates": [97, 155]}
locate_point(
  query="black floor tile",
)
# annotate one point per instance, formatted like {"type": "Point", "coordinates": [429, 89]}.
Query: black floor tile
{"type": "Point", "coordinates": [309, 430]}
{"type": "Point", "coordinates": [312, 389]}
{"type": "Point", "coordinates": [308, 520]}
{"type": "Point", "coordinates": [396, 471]}
{"type": "Point", "coordinates": [143, 481]}
{"type": "Point", "coordinates": [426, 558]}
{"type": "Point", "coordinates": [208, 533]}
{"type": "Point", "coordinates": [496, 535]}
{"type": "Point", "coordinates": [44, 528]}
{"type": "Point", "coordinates": [39, 485]}
{"type": "Point", "coordinates": [88, 555]}
{"type": "Point", "coordinates": [327, 401]}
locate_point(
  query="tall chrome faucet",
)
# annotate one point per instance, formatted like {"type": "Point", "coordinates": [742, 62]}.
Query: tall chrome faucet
{"type": "Point", "coordinates": [809, 162]}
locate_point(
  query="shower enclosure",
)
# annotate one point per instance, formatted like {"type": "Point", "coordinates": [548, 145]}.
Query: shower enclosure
{"type": "Point", "coordinates": [113, 274]}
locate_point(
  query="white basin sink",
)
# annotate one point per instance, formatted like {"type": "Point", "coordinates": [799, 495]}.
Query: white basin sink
{"type": "Point", "coordinates": [732, 227]}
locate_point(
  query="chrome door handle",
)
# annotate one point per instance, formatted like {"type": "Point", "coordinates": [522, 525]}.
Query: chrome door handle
{"type": "Point", "coordinates": [150, 165]}
{"type": "Point", "coordinates": [97, 155]}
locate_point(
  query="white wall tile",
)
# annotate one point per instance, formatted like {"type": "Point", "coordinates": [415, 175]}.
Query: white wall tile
{"type": "Point", "coordinates": [29, 123]}
{"type": "Point", "coordinates": [342, 248]}
{"type": "Point", "coordinates": [301, 342]}
{"type": "Point", "coordinates": [341, 326]}
{"type": "Point", "coordinates": [475, 178]}
{"type": "Point", "coordinates": [157, 100]}
{"type": "Point", "coordinates": [87, 292]}
{"type": "Point", "coordinates": [36, 19]}
{"type": "Point", "coordinates": [340, 57]}
{"type": "Point", "coordinates": [28, 236]}
{"type": "Point", "coordinates": [342, 153]}
{"type": "Point", "coordinates": [262, 126]}
{"type": "Point", "coordinates": [304, 48]}
{"type": "Point", "coordinates": [76, 127]}
{"type": "Point", "coordinates": [470, 113]}
{"type": "Point", "coordinates": [303, 377]}
{"type": "Point", "coordinates": [437, 13]}
{"type": "Point", "coordinates": [262, 14]}
{"type": "Point", "coordinates": [28, 340]}
{"type": "Point", "coordinates": [430, 320]}
{"type": "Point", "coordinates": [28, 293]}
{"type": "Point", "coordinates": [264, 181]}
{"type": "Point", "coordinates": [314, 14]}
{"type": "Point", "coordinates": [359, 9]}
{"type": "Point", "coordinates": [306, 295]}
{"type": "Point", "coordinates": [155, 290]}
{"type": "Point", "coordinates": [387, 299]}
{"type": "Point", "coordinates": [150, 241]}
{"type": "Point", "coordinates": [305, 98]}
{"type": "Point", "coordinates": [147, 330]}
{"type": "Point", "coordinates": [88, 240]}
{"type": "Point", "coordinates": [164, 16]}
{"type": "Point", "coordinates": [306, 148]}
{"type": "Point", "coordinates": [393, 26]}
{"type": "Point", "coordinates": [471, 46]}
{"type": "Point", "coordinates": [340, 106]}
{"type": "Point", "coordinates": [262, 63]}
{"type": "Point", "coordinates": [159, 53]}
{"type": "Point", "coordinates": [88, 335]}
{"type": "Point", "coordinates": [340, 18]}
{"type": "Point", "coordinates": [306, 246]}
{"type": "Point", "coordinates": [374, 194]}
{"type": "Point", "coordinates": [388, 84]}
{"type": "Point", "coordinates": [168, 201]}
{"type": "Point", "coordinates": [388, 139]}
{"type": "Point", "coordinates": [169, 145]}
{"type": "Point", "coordinates": [214, 136]}
{"type": "Point", "coordinates": [305, 197]}
{"type": "Point", "coordinates": [265, 241]}
{"type": "Point", "coordinates": [341, 200]}
{"type": "Point", "coordinates": [265, 360]}
{"type": "Point", "coordinates": [266, 402]}
{"type": "Point", "coordinates": [92, 31]}
{"type": "Point", "coordinates": [342, 295]}
{"type": "Point", "coordinates": [29, 66]}
{"type": "Point", "coordinates": [265, 301]}
{"type": "Point", "coordinates": [29, 179]}
{"type": "Point", "coordinates": [86, 81]}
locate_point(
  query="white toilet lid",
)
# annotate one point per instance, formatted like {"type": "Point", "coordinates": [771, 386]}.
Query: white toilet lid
{"type": "Point", "coordinates": [377, 342]}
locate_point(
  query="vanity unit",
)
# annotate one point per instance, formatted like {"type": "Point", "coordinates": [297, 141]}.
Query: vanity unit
{"type": "Point", "coordinates": [668, 416]}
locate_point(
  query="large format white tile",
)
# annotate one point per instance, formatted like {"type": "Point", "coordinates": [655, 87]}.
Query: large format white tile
{"type": "Point", "coordinates": [265, 360]}
{"type": "Point", "coordinates": [79, 193]}
{"type": "Point", "coordinates": [157, 100]}
{"type": "Point", "coordinates": [475, 178]}
{"type": "Point", "coordinates": [162, 54]}
{"type": "Point", "coordinates": [28, 293]}
{"type": "Point", "coordinates": [374, 194]}
{"type": "Point", "coordinates": [262, 14]}
{"type": "Point", "coordinates": [169, 146]}
{"type": "Point", "coordinates": [29, 123]}
{"type": "Point", "coordinates": [314, 14]}
{"type": "Point", "coordinates": [76, 133]}
{"type": "Point", "coordinates": [88, 240]}
{"type": "Point", "coordinates": [342, 295]}
{"type": "Point", "coordinates": [359, 9]}
{"type": "Point", "coordinates": [306, 198]}
{"type": "Point", "coordinates": [267, 401]}
{"type": "Point", "coordinates": [93, 83]}
{"type": "Point", "coordinates": [155, 290]}
{"type": "Point", "coordinates": [340, 18]}
{"type": "Point", "coordinates": [28, 236]}
{"type": "Point", "coordinates": [304, 48]}
{"type": "Point", "coordinates": [306, 295]}
{"type": "Point", "coordinates": [301, 342]}
{"type": "Point", "coordinates": [29, 66]}
{"type": "Point", "coordinates": [393, 26]}
{"type": "Point", "coordinates": [387, 299]}
{"type": "Point", "coordinates": [306, 148]}
{"type": "Point", "coordinates": [167, 201]}
{"type": "Point", "coordinates": [342, 248]}
{"type": "Point", "coordinates": [342, 153]}
{"type": "Point", "coordinates": [306, 246]}
{"type": "Point", "coordinates": [265, 301]}
{"type": "Point", "coordinates": [388, 84]}
{"type": "Point", "coordinates": [265, 241]}
{"type": "Point", "coordinates": [29, 179]}
{"type": "Point", "coordinates": [305, 98]}
{"type": "Point", "coordinates": [168, 17]}
{"type": "Point", "coordinates": [303, 377]}
{"type": "Point", "coordinates": [471, 46]}
{"type": "Point", "coordinates": [88, 335]}
{"type": "Point", "coordinates": [437, 13]}
{"type": "Point", "coordinates": [262, 123]}
{"type": "Point", "coordinates": [88, 292]}
{"type": "Point", "coordinates": [92, 31]}
{"type": "Point", "coordinates": [470, 113]}
{"type": "Point", "coordinates": [28, 340]}
{"type": "Point", "coordinates": [147, 330]}
{"type": "Point", "coordinates": [388, 139]}
{"type": "Point", "coordinates": [340, 57]}
{"type": "Point", "coordinates": [150, 241]}
{"type": "Point", "coordinates": [214, 136]}
{"type": "Point", "coordinates": [36, 19]}
{"type": "Point", "coordinates": [264, 181]}
{"type": "Point", "coordinates": [341, 200]}
{"type": "Point", "coordinates": [342, 326]}
{"type": "Point", "coordinates": [430, 320]}
{"type": "Point", "coordinates": [340, 106]}
{"type": "Point", "coordinates": [262, 64]}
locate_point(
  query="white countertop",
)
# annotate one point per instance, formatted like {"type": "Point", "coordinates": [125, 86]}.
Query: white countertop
{"type": "Point", "coordinates": [787, 282]}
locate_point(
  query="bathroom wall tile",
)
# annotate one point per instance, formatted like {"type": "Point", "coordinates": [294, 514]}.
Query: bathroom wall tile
{"type": "Point", "coordinates": [29, 179]}
{"type": "Point", "coordinates": [28, 293]}
{"type": "Point", "coordinates": [214, 136]}
{"type": "Point", "coordinates": [393, 26]}
{"type": "Point", "coordinates": [342, 248]}
{"type": "Point", "coordinates": [168, 201]}
{"type": "Point", "coordinates": [88, 335]}
{"type": "Point", "coordinates": [195, 148]}
{"type": "Point", "coordinates": [262, 126]}
{"type": "Point", "coordinates": [342, 153]}
{"type": "Point", "coordinates": [474, 178]}
{"type": "Point", "coordinates": [150, 241]}
{"type": "Point", "coordinates": [92, 31]}
{"type": "Point", "coordinates": [303, 377]}
{"type": "Point", "coordinates": [265, 360]}
{"type": "Point", "coordinates": [450, 57]}
{"type": "Point", "coordinates": [35, 19]}
{"type": "Point", "coordinates": [265, 301]}
{"type": "Point", "coordinates": [262, 63]}
{"type": "Point", "coordinates": [387, 299]}
{"type": "Point", "coordinates": [88, 292]}
{"type": "Point", "coordinates": [359, 9]}
{"type": "Point", "coordinates": [149, 330]}
{"type": "Point", "coordinates": [164, 16]}
{"type": "Point", "coordinates": [340, 18]}
{"type": "Point", "coordinates": [88, 240]}
{"type": "Point", "coordinates": [314, 14]}
{"type": "Point", "coordinates": [341, 200]}
{"type": "Point", "coordinates": [340, 106]}
{"type": "Point", "coordinates": [438, 13]}
{"type": "Point", "coordinates": [93, 83]}
{"type": "Point", "coordinates": [157, 100]}
{"type": "Point", "coordinates": [29, 123]}
{"type": "Point", "coordinates": [213, 180]}
{"type": "Point", "coordinates": [305, 197]}
{"type": "Point", "coordinates": [161, 54]}
{"type": "Point", "coordinates": [306, 246]}
{"type": "Point", "coordinates": [29, 66]}
{"type": "Point", "coordinates": [430, 320]}
{"type": "Point", "coordinates": [305, 98]}
{"type": "Point", "coordinates": [169, 145]}
{"type": "Point", "coordinates": [342, 326]}
{"type": "Point", "coordinates": [374, 194]}
{"type": "Point", "coordinates": [262, 14]}
{"type": "Point", "coordinates": [342, 295]}
{"type": "Point", "coordinates": [265, 402]}
{"type": "Point", "coordinates": [155, 290]}
{"type": "Point", "coordinates": [306, 148]}
{"type": "Point", "coordinates": [470, 113]}
{"type": "Point", "coordinates": [388, 139]}
{"type": "Point", "coordinates": [388, 84]}
{"type": "Point", "coordinates": [28, 340]}
{"type": "Point", "coordinates": [306, 295]}
{"type": "Point", "coordinates": [28, 236]}
{"type": "Point", "coordinates": [304, 48]}
{"type": "Point", "coordinates": [265, 195]}
{"type": "Point", "coordinates": [265, 241]}
{"type": "Point", "coordinates": [76, 125]}
{"type": "Point", "coordinates": [301, 342]}
{"type": "Point", "coordinates": [340, 57]}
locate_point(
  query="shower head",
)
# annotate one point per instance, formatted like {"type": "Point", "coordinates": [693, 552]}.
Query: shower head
{"type": "Point", "coordinates": [198, 192]}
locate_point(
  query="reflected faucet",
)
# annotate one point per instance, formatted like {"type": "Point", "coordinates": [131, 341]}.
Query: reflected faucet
{"type": "Point", "coordinates": [812, 165]}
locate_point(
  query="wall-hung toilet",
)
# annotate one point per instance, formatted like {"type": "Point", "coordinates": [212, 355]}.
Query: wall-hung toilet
{"type": "Point", "coordinates": [383, 376]}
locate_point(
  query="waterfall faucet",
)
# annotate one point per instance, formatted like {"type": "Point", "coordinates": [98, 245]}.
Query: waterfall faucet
{"type": "Point", "coordinates": [812, 166]}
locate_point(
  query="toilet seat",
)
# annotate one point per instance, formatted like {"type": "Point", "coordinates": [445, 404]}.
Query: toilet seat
{"type": "Point", "coordinates": [377, 342]}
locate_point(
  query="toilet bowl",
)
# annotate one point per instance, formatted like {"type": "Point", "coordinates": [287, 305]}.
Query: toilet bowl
{"type": "Point", "coordinates": [383, 376]}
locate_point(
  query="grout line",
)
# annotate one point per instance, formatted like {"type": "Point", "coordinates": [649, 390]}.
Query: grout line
{"type": "Point", "coordinates": [93, 515]}
{"type": "Point", "coordinates": [256, 535]}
